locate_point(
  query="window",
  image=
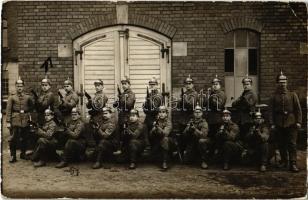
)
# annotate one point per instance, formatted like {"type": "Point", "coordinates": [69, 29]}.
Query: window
{"type": "Point", "coordinates": [4, 34]}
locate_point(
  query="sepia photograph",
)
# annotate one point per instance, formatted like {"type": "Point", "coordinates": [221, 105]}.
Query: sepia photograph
{"type": "Point", "coordinates": [154, 99]}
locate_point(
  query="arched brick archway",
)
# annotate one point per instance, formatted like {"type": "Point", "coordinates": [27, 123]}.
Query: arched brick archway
{"type": "Point", "coordinates": [242, 23]}
{"type": "Point", "coordinates": [98, 22]}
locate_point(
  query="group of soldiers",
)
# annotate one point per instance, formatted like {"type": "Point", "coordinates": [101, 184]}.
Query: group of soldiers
{"type": "Point", "coordinates": [206, 128]}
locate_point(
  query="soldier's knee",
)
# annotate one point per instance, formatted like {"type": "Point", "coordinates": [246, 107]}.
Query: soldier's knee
{"type": "Point", "coordinates": [203, 141]}
{"type": "Point", "coordinates": [133, 144]}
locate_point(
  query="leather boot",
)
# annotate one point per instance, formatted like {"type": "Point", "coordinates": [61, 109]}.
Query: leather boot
{"type": "Point", "coordinates": [132, 165]}
{"type": "Point", "coordinates": [226, 166]}
{"type": "Point", "coordinates": [61, 164]}
{"type": "Point", "coordinates": [262, 168]}
{"type": "Point", "coordinates": [40, 163]}
{"type": "Point", "coordinates": [164, 165]}
{"type": "Point", "coordinates": [293, 167]}
{"type": "Point", "coordinates": [204, 165]}
{"type": "Point", "coordinates": [97, 165]}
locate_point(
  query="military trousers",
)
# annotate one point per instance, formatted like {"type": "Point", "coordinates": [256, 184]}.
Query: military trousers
{"type": "Point", "coordinates": [259, 151]}
{"type": "Point", "coordinates": [134, 148]}
{"type": "Point", "coordinates": [45, 148]}
{"type": "Point", "coordinates": [195, 147]}
{"type": "Point", "coordinates": [286, 140]}
{"type": "Point", "coordinates": [162, 146]}
{"type": "Point", "coordinates": [18, 135]}
{"type": "Point", "coordinates": [104, 147]}
{"type": "Point", "coordinates": [231, 150]}
{"type": "Point", "coordinates": [73, 149]}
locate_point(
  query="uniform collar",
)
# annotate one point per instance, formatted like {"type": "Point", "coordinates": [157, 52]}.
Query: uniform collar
{"type": "Point", "coordinates": [99, 92]}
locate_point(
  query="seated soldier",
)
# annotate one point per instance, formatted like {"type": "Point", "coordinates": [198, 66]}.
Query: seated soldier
{"type": "Point", "coordinates": [75, 146]}
{"type": "Point", "coordinates": [46, 144]}
{"type": "Point", "coordinates": [134, 137]}
{"type": "Point", "coordinates": [105, 134]}
{"type": "Point", "coordinates": [257, 141]}
{"type": "Point", "coordinates": [160, 135]}
{"type": "Point", "coordinates": [227, 139]}
{"type": "Point", "coordinates": [195, 135]}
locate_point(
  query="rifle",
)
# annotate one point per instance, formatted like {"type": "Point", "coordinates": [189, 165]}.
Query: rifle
{"type": "Point", "coordinates": [149, 106]}
{"type": "Point", "coordinates": [35, 95]}
{"type": "Point", "coordinates": [164, 93]}
{"type": "Point", "coordinates": [182, 97]}
{"type": "Point", "coordinates": [32, 124]}
{"type": "Point", "coordinates": [176, 142]}
{"type": "Point", "coordinates": [60, 95]}
{"type": "Point", "coordinates": [208, 99]}
{"type": "Point", "coordinates": [117, 103]}
{"type": "Point", "coordinates": [87, 95]}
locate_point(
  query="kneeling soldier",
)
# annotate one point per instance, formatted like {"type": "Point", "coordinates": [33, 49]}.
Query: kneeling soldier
{"type": "Point", "coordinates": [105, 132]}
{"type": "Point", "coordinates": [46, 143]}
{"type": "Point", "coordinates": [257, 140]}
{"type": "Point", "coordinates": [134, 137]}
{"type": "Point", "coordinates": [160, 134]}
{"type": "Point", "coordinates": [195, 135]}
{"type": "Point", "coordinates": [227, 139]}
{"type": "Point", "coordinates": [76, 144]}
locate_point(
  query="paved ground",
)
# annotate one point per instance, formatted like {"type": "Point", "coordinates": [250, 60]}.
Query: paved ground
{"type": "Point", "coordinates": [22, 180]}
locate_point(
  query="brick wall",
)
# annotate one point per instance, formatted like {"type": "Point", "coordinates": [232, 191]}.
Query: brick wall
{"type": "Point", "coordinates": [42, 25]}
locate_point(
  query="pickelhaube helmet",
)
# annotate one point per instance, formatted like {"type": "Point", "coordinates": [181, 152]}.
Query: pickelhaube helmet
{"type": "Point", "coordinates": [216, 79]}
{"type": "Point", "coordinates": [68, 82]}
{"type": "Point", "coordinates": [46, 80]}
{"type": "Point", "coordinates": [162, 108]}
{"type": "Point", "coordinates": [246, 79]}
{"type": "Point", "coordinates": [134, 112]}
{"type": "Point", "coordinates": [153, 81]}
{"type": "Point", "coordinates": [281, 78]}
{"type": "Point", "coordinates": [107, 109]}
{"type": "Point", "coordinates": [226, 112]}
{"type": "Point", "coordinates": [75, 110]}
{"type": "Point", "coordinates": [125, 80]}
{"type": "Point", "coordinates": [48, 111]}
{"type": "Point", "coordinates": [198, 107]}
{"type": "Point", "coordinates": [99, 82]}
{"type": "Point", "coordinates": [188, 80]}
{"type": "Point", "coordinates": [19, 81]}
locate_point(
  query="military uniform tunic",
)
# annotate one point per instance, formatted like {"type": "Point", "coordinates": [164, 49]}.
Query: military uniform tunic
{"type": "Point", "coordinates": [196, 139]}
{"type": "Point", "coordinates": [70, 100]}
{"type": "Point", "coordinates": [44, 101]}
{"type": "Point", "coordinates": [286, 112]}
{"type": "Point", "coordinates": [96, 105]}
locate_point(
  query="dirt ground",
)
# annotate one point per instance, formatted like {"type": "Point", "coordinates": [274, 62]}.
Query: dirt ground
{"type": "Point", "coordinates": [22, 180]}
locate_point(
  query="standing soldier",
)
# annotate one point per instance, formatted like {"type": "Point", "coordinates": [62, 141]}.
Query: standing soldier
{"type": "Point", "coordinates": [68, 101]}
{"type": "Point", "coordinates": [245, 104]}
{"type": "Point", "coordinates": [18, 109]}
{"type": "Point", "coordinates": [76, 145]}
{"type": "Point", "coordinates": [188, 101]}
{"type": "Point", "coordinates": [134, 137]}
{"type": "Point", "coordinates": [227, 139]}
{"type": "Point", "coordinates": [106, 137]}
{"type": "Point", "coordinates": [46, 144]}
{"type": "Point", "coordinates": [214, 102]}
{"type": "Point", "coordinates": [161, 135]}
{"type": "Point", "coordinates": [286, 119]}
{"type": "Point", "coordinates": [45, 100]}
{"type": "Point", "coordinates": [154, 99]}
{"type": "Point", "coordinates": [257, 141]}
{"type": "Point", "coordinates": [195, 134]}
{"type": "Point", "coordinates": [125, 103]}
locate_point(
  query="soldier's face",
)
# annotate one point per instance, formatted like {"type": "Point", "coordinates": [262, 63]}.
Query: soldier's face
{"type": "Point", "coordinates": [153, 87]}
{"type": "Point", "coordinates": [283, 85]}
{"type": "Point", "coordinates": [125, 86]}
{"type": "Point", "coordinates": [226, 118]}
{"type": "Point", "coordinates": [99, 87]}
{"type": "Point", "coordinates": [75, 116]}
{"type": "Point", "coordinates": [258, 121]}
{"type": "Point", "coordinates": [216, 86]}
{"type": "Point", "coordinates": [106, 115]}
{"type": "Point", "coordinates": [68, 88]}
{"type": "Point", "coordinates": [198, 114]}
{"type": "Point", "coordinates": [45, 87]}
{"type": "Point", "coordinates": [48, 117]}
{"type": "Point", "coordinates": [189, 86]}
{"type": "Point", "coordinates": [19, 87]}
{"type": "Point", "coordinates": [247, 86]}
{"type": "Point", "coordinates": [133, 118]}
{"type": "Point", "coordinates": [162, 114]}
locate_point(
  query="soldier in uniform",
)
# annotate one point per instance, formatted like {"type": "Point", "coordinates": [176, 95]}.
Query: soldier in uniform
{"type": "Point", "coordinates": [134, 137]}
{"type": "Point", "coordinates": [125, 103]}
{"type": "Point", "coordinates": [152, 103]}
{"type": "Point", "coordinates": [187, 101]}
{"type": "Point", "coordinates": [161, 135]}
{"type": "Point", "coordinates": [286, 119]}
{"type": "Point", "coordinates": [18, 109]}
{"type": "Point", "coordinates": [196, 135]}
{"type": "Point", "coordinates": [69, 101]}
{"type": "Point", "coordinates": [228, 140]}
{"type": "Point", "coordinates": [245, 105]}
{"type": "Point", "coordinates": [76, 144]}
{"type": "Point", "coordinates": [257, 141]}
{"type": "Point", "coordinates": [45, 100]}
{"type": "Point", "coordinates": [46, 144]}
{"type": "Point", "coordinates": [105, 135]}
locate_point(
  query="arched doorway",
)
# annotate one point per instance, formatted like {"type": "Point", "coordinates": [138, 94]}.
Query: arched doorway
{"type": "Point", "coordinates": [114, 52]}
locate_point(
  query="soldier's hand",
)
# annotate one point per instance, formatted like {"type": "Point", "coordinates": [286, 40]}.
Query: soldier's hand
{"type": "Point", "coordinates": [273, 127]}
{"type": "Point", "coordinates": [298, 125]}
{"type": "Point", "coordinates": [8, 125]}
